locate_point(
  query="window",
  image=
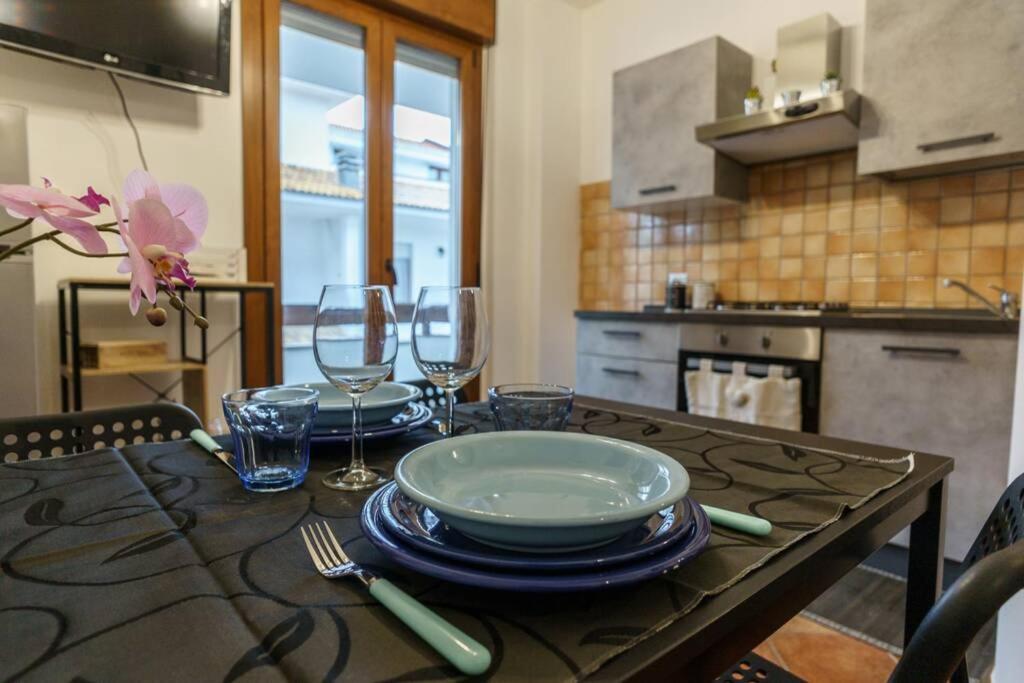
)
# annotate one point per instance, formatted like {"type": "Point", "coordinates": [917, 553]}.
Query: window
{"type": "Point", "coordinates": [377, 121]}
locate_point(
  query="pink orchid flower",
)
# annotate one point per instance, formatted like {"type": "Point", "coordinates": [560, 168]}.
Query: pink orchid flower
{"type": "Point", "coordinates": [93, 199]}
{"type": "Point", "coordinates": [56, 208]}
{"type": "Point", "coordinates": [156, 242]}
{"type": "Point", "coordinates": [184, 201]}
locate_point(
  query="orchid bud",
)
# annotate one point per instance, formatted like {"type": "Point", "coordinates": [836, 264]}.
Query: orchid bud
{"type": "Point", "coordinates": [176, 302]}
{"type": "Point", "coordinates": [202, 323]}
{"type": "Point", "coordinates": [156, 316]}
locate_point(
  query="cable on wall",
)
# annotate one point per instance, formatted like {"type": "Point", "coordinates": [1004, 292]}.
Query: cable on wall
{"type": "Point", "coordinates": [128, 116]}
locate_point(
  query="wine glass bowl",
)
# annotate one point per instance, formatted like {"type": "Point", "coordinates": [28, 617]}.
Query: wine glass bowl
{"type": "Point", "coordinates": [450, 339]}
{"type": "Point", "coordinates": [355, 341]}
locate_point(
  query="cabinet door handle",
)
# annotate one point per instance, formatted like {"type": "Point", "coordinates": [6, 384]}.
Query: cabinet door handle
{"type": "Point", "coordinates": [657, 190]}
{"type": "Point", "coordinates": [620, 371]}
{"type": "Point", "coordinates": [633, 334]}
{"type": "Point", "coordinates": [930, 350]}
{"type": "Point", "coordinates": [957, 142]}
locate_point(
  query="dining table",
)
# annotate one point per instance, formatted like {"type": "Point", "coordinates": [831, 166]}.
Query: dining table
{"type": "Point", "coordinates": [151, 562]}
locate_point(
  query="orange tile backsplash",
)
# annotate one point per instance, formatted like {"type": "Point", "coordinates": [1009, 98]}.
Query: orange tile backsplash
{"type": "Point", "coordinates": [811, 230]}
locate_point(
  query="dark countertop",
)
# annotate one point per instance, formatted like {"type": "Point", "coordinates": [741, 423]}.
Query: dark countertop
{"type": "Point", "coordinates": [966, 321]}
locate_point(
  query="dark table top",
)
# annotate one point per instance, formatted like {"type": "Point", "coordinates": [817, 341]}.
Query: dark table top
{"type": "Point", "coordinates": [966, 321]}
{"type": "Point", "coordinates": [151, 562]}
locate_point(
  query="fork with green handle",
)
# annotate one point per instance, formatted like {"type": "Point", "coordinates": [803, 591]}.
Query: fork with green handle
{"type": "Point", "coordinates": [468, 656]}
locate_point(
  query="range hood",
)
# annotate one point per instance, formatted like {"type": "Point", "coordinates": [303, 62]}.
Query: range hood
{"type": "Point", "coordinates": [806, 51]}
{"type": "Point", "coordinates": [827, 124]}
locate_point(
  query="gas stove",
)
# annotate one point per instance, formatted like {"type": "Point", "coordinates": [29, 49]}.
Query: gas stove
{"type": "Point", "coordinates": [808, 308]}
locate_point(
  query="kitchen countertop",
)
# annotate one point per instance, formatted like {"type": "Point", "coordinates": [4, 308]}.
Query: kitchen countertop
{"type": "Point", "coordinates": [970, 321]}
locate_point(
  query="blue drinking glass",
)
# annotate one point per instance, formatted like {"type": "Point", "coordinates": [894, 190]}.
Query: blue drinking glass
{"type": "Point", "coordinates": [270, 428]}
{"type": "Point", "coordinates": [544, 407]}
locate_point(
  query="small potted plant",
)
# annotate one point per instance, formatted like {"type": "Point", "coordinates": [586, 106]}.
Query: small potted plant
{"type": "Point", "coordinates": [752, 102]}
{"type": "Point", "coordinates": [830, 83]}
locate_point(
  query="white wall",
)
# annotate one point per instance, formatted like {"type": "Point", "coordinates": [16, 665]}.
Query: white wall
{"type": "Point", "coordinates": [618, 33]}
{"type": "Point", "coordinates": [531, 205]}
{"type": "Point", "coordinates": [78, 136]}
{"type": "Point", "coordinates": [1010, 631]}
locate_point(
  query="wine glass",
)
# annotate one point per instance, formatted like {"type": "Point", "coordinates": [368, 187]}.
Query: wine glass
{"type": "Point", "coordinates": [450, 339]}
{"type": "Point", "coordinates": [355, 341]}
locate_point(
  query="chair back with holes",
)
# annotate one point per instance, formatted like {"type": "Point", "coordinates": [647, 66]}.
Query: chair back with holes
{"type": "Point", "coordinates": [433, 397]}
{"type": "Point", "coordinates": [48, 436]}
{"type": "Point", "coordinates": [1004, 527]}
{"type": "Point", "coordinates": [936, 652]}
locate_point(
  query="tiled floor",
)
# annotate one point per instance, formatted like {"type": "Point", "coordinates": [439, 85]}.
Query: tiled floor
{"type": "Point", "coordinates": [817, 653]}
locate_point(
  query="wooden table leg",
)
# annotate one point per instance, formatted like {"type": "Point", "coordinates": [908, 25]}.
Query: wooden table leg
{"type": "Point", "coordinates": [924, 568]}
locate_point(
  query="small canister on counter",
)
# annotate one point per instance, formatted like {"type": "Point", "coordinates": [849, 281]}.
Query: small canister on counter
{"type": "Point", "coordinates": [675, 292]}
{"type": "Point", "coordinates": [703, 294]}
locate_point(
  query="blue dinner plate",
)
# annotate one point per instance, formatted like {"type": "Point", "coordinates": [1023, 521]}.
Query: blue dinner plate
{"type": "Point", "coordinates": [413, 417]}
{"type": "Point", "coordinates": [682, 551]}
{"type": "Point", "coordinates": [416, 525]}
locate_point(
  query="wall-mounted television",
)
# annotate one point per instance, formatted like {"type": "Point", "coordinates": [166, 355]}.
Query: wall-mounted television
{"type": "Point", "coordinates": [181, 43]}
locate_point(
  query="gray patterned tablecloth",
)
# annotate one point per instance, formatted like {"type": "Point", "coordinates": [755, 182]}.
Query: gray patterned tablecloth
{"type": "Point", "coordinates": [151, 562]}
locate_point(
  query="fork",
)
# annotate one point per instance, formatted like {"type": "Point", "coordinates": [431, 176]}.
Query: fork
{"type": "Point", "coordinates": [466, 654]}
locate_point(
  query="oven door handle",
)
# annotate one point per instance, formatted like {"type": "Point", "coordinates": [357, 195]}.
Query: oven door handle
{"type": "Point", "coordinates": [632, 334]}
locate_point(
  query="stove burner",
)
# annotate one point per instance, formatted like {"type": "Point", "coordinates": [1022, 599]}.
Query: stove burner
{"type": "Point", "coordinates": [784, 306]}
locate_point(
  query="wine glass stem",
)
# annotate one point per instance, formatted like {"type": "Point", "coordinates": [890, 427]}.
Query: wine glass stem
{"type": "Point", "coordinates": [357, 434]}
{"type": "Point", "coordinates": [450, 403]}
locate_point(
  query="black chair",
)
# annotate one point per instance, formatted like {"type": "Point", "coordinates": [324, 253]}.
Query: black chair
{"type": "Point", "coordinates": [756, 669]}
{"type": "Point", "coordinates": [433, 397]}
{"type": "Point", "coordinates": [937, 650]}
{"type": "Point", "coordinates": [996, 574]}
{"type": "Point", "coordinates": [46, 436]}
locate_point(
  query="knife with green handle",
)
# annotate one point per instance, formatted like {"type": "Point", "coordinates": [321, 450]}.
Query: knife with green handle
{"type": "Point", "coordinates": [207, 442]}
{"type": "Point", "coordinates": [748, 524]}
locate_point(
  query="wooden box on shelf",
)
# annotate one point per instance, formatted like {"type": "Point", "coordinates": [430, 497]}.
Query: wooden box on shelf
{"type": "Point", "coordinates": [109, 355]}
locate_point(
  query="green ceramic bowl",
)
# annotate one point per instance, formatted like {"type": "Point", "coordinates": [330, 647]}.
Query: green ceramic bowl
{"type": "Point", "coordinates": [537, 491]}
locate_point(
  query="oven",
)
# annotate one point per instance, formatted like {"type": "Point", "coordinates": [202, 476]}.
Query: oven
{"type": "Point", "coordinates": [797, 349]}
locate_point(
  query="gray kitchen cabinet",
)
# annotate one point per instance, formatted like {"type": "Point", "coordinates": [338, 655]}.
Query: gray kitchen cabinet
{"type": "Point", "coordinates": [635, 362]}
{"type": "Point", "coordinates": [657, 162]}
{"type": "Point", "coordinates": [944, 393]}
{"type": "Point", "coordinates": [628, 339]}
{"type": "Point", "coordinates": [943, 86]}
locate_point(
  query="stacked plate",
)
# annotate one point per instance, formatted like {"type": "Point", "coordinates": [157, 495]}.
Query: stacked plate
{"type": "Point", "coordinates": [537, 511]}
{"type": "Point", "coordinates": [388, 410]}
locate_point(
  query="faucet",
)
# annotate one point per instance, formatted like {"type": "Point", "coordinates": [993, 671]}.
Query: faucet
{"type": "Point", "coordinates": [1008, 308]}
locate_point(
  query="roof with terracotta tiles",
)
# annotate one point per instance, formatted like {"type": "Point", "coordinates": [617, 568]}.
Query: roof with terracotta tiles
{"type": "Point", "coordinates": [422, 194]}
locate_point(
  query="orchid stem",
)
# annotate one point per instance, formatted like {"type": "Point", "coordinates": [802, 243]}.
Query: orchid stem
{"type": "Point", "coordinates": [173, 296]}
{"type": "Point", "coordinates": [19, 226]}
{"type": "Point", "coordinates": [27, 243]}
{"type": "Point", "coordinates": [120, 254]}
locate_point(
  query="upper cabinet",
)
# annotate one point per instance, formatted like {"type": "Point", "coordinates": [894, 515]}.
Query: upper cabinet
{"type": "Point", "coordinates": [657, 163]}
{"type": "Point", "coordinates": [943, 86]}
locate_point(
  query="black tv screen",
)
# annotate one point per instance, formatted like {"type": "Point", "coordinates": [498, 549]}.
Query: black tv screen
{"type": "Point", "coordinates": [184, 43]}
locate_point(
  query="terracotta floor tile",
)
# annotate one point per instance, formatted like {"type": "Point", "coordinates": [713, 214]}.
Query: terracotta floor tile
{"type": "Point", "coordinates": [817, 653]}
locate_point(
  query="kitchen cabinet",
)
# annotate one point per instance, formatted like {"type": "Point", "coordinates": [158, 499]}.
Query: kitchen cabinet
{"type": "Point", "coordinates": [657, 162]}
{"type": "Point", "coordinates": [944, 393]}
{"type": "Point", "coordinates": [635, 362]}
{"type": "Point", "coordinates": [943, 86]}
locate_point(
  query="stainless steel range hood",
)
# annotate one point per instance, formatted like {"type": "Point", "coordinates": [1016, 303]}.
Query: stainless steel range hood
{"type": "Point", "coordinates": [811, 127]}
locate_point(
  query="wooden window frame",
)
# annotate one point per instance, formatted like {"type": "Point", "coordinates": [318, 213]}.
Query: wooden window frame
{"type": "Point", "coordinates": [261, 20]}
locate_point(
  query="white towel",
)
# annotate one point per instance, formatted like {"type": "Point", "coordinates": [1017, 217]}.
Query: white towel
{"type": "Point", "coordinates": [705, 390]}
{"type": "Point", "coordinates": [773, 401]}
